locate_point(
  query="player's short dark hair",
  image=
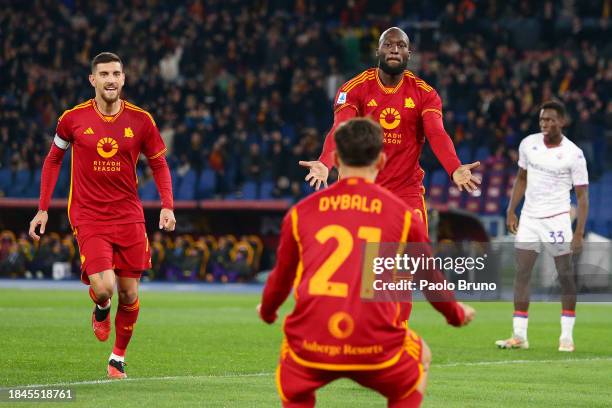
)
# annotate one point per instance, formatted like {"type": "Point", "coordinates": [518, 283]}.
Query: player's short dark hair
{"type": "Point", "coordinates": [103, 58]}
{"type": "Point", "coordinates": [556, 106]}
{"type": "Point", "coordinates": [359, 141]}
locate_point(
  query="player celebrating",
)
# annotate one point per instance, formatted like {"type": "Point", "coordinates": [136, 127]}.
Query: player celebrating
{"type": "Point", "coordinates": [332, 333]}
{"type": "Point", "coordinates": [408, 109]}
{"type": "Point", "coordinates": [549, 164]}
{"type": "Point", "coordinates": [107, 135]}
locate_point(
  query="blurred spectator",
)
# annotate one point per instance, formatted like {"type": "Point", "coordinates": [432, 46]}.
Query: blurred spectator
{"type": "Point", "coordinates": [222, 77]}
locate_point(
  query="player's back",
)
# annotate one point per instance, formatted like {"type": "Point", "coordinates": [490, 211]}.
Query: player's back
{"type": "Point", "coordinates": [331, 324]}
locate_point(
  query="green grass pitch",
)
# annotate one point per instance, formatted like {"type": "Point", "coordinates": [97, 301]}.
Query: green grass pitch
{"type": "Point", "coordinates": [201, 349]}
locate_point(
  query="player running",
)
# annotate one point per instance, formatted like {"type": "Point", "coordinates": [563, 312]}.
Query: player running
{"type": "Point", "coordinates": [332, 333]}
{"type": "Point", "coordinates": [549, 165]}
{"type": "Point", "coordinates": [409, 110]}
{"type": "Point", "coordinates": [107, 134]}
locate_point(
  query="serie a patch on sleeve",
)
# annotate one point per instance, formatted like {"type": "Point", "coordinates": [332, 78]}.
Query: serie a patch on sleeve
{"type": "Point", "coordinates": [341, 98]}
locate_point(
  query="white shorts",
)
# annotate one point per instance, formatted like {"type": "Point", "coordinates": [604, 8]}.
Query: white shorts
{"type": "Point", "coordinates": [554, 232]}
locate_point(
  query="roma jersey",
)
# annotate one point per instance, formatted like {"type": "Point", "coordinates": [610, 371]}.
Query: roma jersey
{"type": "Point", "coordinates": [399, 111]}
{"type": "Point", "coordinates": [105, 150]}
{"type": "Point", "coordinates": [321, 254]}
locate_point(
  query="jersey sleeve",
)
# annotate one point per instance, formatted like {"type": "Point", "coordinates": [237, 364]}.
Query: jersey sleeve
{"type": "Point", "coordinates": [152, 144]}
{"type": "Point", "coordinates": [442, 300]}
{"type": "Point", "coordinates": [430, 100]}
{"type": "Point", "coordinates": [63, 132]}
{"type": "Point", "coordinates": [282, 276]}
{"type": "Point", "coordinates": [346, 106]}
{"type": "Point", "coordinates": [580, 175]}
{"type": "Point", "coordinates": [347, 99]}
{"type": "Point", "coordinates": [342, 114]}
{"type": "Point", "coordinates": [439, 140]}
{"type": "Point", "coordinates": [522, 160]}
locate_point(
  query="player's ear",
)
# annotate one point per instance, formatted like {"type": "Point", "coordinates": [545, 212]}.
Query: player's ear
{"type": "Point", "coordinates": [92, 80]}
{"type": "Point", "coordinates": [336, 159]}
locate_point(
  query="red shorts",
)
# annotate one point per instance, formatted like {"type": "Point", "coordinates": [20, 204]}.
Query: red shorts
{"type": "Point", "coordinates": [296, 384]}
{"type": "Point", "coordinates": [417, 203]}
{"type": "Point", "coordinates": [122, 247]}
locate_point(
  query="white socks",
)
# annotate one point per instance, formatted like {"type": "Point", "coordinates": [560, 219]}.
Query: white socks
{"type": "Point", "coordinates": [108, 305]}
{"type": "Point", "coordinates": [115, 357]}
{"type": "Point", "coordinates": [519, 326]}
{"type": "Point", "coordinates": [567, 327]}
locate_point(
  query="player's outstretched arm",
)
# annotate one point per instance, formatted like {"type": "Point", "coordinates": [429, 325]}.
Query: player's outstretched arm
{"type": "Point", "coordinates": [318, 170]}
{"type": "Point", "coordinates": [456, 313]}
{"type": "Point", "coordinates": [518, 192]}
{"type": "Point", "coordinates": [443, 148]}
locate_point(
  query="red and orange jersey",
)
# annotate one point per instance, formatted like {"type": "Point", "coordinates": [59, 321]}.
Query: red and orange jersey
{"type": "Point", "coordinates": [400, 112]}
{"type": "Point", "coordinates": [321, 256]}
{"type": "Point", "coordinates": [105, 150]}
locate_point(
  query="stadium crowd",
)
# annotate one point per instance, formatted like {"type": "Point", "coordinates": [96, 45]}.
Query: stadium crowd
{"type": "Point", "coordinates": [242, 90]}
{"type": "Point", "coordinates": [226, 258]}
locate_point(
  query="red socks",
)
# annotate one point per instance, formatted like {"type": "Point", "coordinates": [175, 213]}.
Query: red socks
{"type": "Point", "coordinates": [124, 325]}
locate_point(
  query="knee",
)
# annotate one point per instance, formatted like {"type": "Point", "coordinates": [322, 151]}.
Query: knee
{"type": "Point", "coordinates": [102, 290]}
{"type": "Point", "coordinates": [127, 296]}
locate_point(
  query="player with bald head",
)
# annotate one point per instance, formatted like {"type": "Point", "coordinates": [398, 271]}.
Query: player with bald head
{"type": "Point", "coordinates": [409, 111]}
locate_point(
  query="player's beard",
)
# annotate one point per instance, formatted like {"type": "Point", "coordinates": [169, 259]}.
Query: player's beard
{"type": "Point", "coordinates": [110, 99]}
{"type": "Point", "coordinates": [396, 70]}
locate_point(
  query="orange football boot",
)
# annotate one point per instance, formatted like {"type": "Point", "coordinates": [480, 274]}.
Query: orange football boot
{"type": "Point", "coordinates": [116, 370]}
{"type": "Point", "coordinates": [101, 329]}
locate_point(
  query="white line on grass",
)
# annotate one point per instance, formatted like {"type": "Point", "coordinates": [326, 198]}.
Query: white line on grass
{"type": "Point", "coordinates": [508, 362]}
{"type": "Point", "coordinates": [197, 377]}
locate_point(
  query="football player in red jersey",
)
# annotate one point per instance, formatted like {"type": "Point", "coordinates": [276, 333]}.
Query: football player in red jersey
{"type": "Point", "coordinates": [332, 333]}
{"type": "Point", "coordinates": [107, 135]}
{"type": "Point", "coordinates": [409, 110]}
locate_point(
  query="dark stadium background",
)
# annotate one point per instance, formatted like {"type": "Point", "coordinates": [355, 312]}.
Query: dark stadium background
{"type": "Point", "coordinates": [242, 90]}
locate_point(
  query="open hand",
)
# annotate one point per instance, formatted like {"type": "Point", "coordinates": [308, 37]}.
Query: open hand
{"type": "Point", "coordinates": [464, 179]}
{"type": "Point", "coordinates": [317, 173]}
